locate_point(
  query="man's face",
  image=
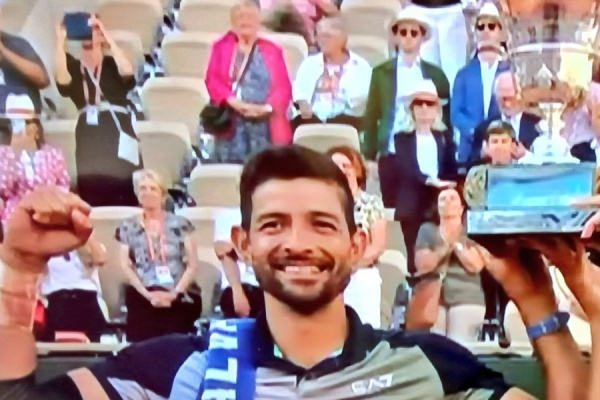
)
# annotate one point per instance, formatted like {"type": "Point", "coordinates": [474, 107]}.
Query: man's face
{"type": "Point", "coordinates": [449, 204]}
{"type": "Point", "coordinates": [488, 29]}
{"type": "Point", "coordinates": [506, 94]}
{"type": "Point", "coordinates": [499, 149]}
{"type": "Point", "coordinates": [330, 40]}
{"type": "Point", "coordinates": [409, 36]}
{"type": "Point", "coordinates": [299, 243]}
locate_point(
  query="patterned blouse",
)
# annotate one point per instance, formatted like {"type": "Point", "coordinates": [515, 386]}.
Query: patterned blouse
{"type": "Point", "coordinates": [22, 172]}
{"type": "Point", "coordinates": [132, 233]}
{"type": "Point", "coordinates": [368, 209]}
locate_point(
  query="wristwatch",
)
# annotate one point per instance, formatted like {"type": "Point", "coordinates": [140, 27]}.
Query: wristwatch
{"type": "Point", "coordinates": [269, 108]}
{"type": "Point", "coordinates": [552, 324]}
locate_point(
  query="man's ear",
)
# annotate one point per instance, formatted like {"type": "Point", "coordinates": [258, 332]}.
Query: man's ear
{"type": "Point", "coordinates": [239, 238]}
{"type": "Point", "coordinates": [359, 245]}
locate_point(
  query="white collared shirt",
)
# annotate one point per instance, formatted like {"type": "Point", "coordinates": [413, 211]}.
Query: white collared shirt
{"type": "Point", "coordinates": [515, 122]}
{"type": "Point", "coordinates": [427, 154]}
{"type": "Point", "coordinates": [596, 147]}
{"type": "Point", "coordinates": [353, 87]}
{"type": "Point", "coordinates": [406, 77]}
{"type": "Point", "coordinates": [488, 76]}
{"type": "Point", "coordinates": [69, 274]}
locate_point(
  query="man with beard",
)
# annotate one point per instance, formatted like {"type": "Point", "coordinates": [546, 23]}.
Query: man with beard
{"type": "Point", "coordinates": [298, 232]}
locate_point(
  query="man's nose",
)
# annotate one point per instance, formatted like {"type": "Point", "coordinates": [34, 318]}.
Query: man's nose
{"type": "Point", "coordinates": [298, 240]}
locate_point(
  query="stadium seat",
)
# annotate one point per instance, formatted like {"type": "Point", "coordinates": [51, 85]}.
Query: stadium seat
{"type": "Point", "coordinates": [209, 279]}
{"type": "Point", "coordinates": [322, 137]}
{"type": "Point", "coordinates": [186, 54]}
{"type": "Point", "coordinates": [210, 16]}
{"type": "Point", "coordinates": [202, 218]}
{"type": "Point", "coordinates": [393, 270]}
{"type": "Point", "coordinates": [395, 236]}
{"type": "Point", "coordinates": [175, 100]}
{"type": "Point", "coordinates": [294, 48]}
{"type": "Point", "coordinates": [112, 278]}
{"type": "Point", "coordinates": [140, 16]}
{"type": "Point", "coordinates": [165, 147]}
{"type": "Point", "coordinates": [61, 133]}
{"type": "Point", "coordinates": [131, 45]}
{"type": "Point", "coordinates": [370, 17]}
{"type": "Point", "coordinates": [216, 185]}
{"type": "Point", "coordinates": [371, 48]}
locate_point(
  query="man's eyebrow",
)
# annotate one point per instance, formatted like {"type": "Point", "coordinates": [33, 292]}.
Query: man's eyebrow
{"type": "Point", "coordinates": [271, 215]}
{"type": "Point", "coordinates": [325, 214]}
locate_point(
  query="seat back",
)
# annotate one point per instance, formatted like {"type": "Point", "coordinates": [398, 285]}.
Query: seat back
{"type": "Point", "coordinates": [205, 15]}
{"type": "Point", "coordinates": [395, 236]}
{"type": "Point", "coordinates": [370, 18]}
{"type": "Point", "coordinates": [294, 48]}
{"type": "Point", "coordinates": [203, 220]}
{"type": "Point", "coordinates": [61, 133]}
{"type": "Point", "coordinates": [209, 279]}
{"type": "Point", "coordinates": [322, 137]}
{"type": "Point", "coordinates": [186, 54]}
{"type": "Point", "coordinates": [216, 185]}
{"type": "Point", "coordinates": [393, 270]}
{"type": "Point", "coordinates": [372, 48]}
{"type": "Point", "coordinates": [165, 148]}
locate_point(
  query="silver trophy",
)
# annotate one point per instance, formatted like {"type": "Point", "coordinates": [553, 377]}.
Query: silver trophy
{"type": "Point", "coordinates": [552, 46]}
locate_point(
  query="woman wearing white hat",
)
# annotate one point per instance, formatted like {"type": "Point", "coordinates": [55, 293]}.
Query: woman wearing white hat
{"type": "Point", "coordinates": [27, 162]}
{"type": "Point", "coordinates": [425, 162]}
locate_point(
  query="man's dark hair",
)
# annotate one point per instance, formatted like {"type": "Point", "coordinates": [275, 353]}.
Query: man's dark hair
{"type": "Point", "coordinates": [288, 163]}
{"type": "Point", "coordinates": [499, 128]}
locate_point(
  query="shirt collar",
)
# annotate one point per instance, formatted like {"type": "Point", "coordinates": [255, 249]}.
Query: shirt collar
{"type": "Point", "coordinates": [353, 60]}
{"type": "Point", "coordinates": [483, 63]}
{"type": "Point", "coordinates": [594, 144]}
{"type": "Point", "coordinates": [401, 62]}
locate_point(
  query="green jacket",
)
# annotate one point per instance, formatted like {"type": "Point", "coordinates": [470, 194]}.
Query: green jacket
{"type": "Point", "coordinates": [381, 104]}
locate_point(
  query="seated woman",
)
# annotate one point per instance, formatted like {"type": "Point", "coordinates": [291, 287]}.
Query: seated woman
{"type": "Point", "coordinates": [425, 163]}
{"type": "Point", "coordinates": [160, 261]}
{"type": "Point", "coordinates": [28, 162]}
{"type": "Point", "coordinates": [449, 294]}
{"type": "Point", "coordinates": [72, 291]}
{"type": "Point", "coordinates": [332, 86]}
{"type": "Point", "coordinates": [249, 74]}
{"type": "Point", "coordinates": [364, 291]}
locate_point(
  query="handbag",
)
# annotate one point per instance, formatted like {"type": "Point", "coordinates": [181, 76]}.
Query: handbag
{"type": "Point", "coordinates": [215, 118]}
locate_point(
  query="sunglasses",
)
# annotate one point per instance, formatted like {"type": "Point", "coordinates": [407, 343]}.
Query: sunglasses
{"type": "Point", "coordinates": [414, 33]}
{"type": "Point", "coordinates": [491, 26]}
{"type": "Point", "coordinates": [422, 103]}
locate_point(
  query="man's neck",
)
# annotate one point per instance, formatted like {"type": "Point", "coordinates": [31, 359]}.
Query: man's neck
{"type": "Point", "coordinates": [408, 58]}
{"type": "Point", "coordinates": [488, 57]}
{"type": "Point", "coordinates": [307, 340]}
{"type": "Point", "coordinates": [336, 57]}
{"type": "Point", "coordinates": [451, 222]}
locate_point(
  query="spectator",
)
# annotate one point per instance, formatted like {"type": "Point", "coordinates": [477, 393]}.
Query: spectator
{"type": "Point", "coordinates": [390, 85]}
{"type": "Point", "coordinates": [160, 261]}
{"type": "Point", "coordinates": [28, 162]}
{"type": "Point", "coordinates": [72, 290]}
{"type": "Point", "coordinates": [511, 110]}
{"type": "Point", "coordinates": [586, 124]}
{"type": "Point", "coordinates": [298, 16]}
{"type": "Point", "coordinates": [241, 296]}
{"type": "Point", "coordinates": [473, 99]}
{"type": "Point", "coordinates": [332, 86]}
{"type": "Point", "coordinates": [500, 145]}
{"type": "Point", "coordinates": [425, 163]}
{"type": "Point", "coordinates": [449, 295]}
{"type": "Point", "coordinates": [107, 151]}
{"type": "Point", "coordinates": [578, 117]}
{"type": "Point", "coordinates": [249, 74]}
{"type": "Point", "coordinates": [363, 293]}
{"type": "Point", "coordinates": [21, 69]}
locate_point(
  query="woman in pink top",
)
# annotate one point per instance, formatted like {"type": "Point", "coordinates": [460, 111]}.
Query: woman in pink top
{"type": "Point", "coordinates": [250, 75]}
{"type": "Point", "coordinates": [27, 162]}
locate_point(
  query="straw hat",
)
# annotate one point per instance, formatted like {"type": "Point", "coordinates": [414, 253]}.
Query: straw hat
{"type": "Point", "coordinates": [413, 14]}
{"type": "Point", "coordinates": [20, 107]}
{"type": "Point", "coordinates": [489, 10]}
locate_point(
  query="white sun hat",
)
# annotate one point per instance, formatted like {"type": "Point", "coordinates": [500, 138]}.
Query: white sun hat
{"type": "Point", "coordinates": [424, 89]}
{"type": "Point", "coordinates": [413, 14]}
{"type": "Point", "coordinates": [20, 106]}
{"type": "Point", "coordinates": [489, 10]}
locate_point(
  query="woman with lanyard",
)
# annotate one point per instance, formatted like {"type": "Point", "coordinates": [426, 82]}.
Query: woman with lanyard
{"type": "Point", "coordinates": [107, 151]}
{"type": "Point", "coordinates": [159, 258]}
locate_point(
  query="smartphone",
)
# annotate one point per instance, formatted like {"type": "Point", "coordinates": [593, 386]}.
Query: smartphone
{"type": "Point", "coordinates": [78, 26]}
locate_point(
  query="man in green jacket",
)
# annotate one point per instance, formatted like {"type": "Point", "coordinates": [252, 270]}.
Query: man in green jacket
{"type": "Point", "coordinates": [391, 82]}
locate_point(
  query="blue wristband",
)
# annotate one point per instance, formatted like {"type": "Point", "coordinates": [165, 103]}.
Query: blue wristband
{"type": "Point", "coordinates": [552, 324]}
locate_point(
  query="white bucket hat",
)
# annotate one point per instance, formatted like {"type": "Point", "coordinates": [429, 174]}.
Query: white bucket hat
{"type": "Point", "coordinates": [20, 106]}
{"type": "Point", "coordinates": [413, 14]}
{"type": "Point", "coordinates": [424, 89]}
{"type": "Point", "coordinates": [489, 10]}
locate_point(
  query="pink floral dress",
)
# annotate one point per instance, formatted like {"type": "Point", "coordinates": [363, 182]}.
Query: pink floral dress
{"type": "Point", "coordinates": [21, 172]}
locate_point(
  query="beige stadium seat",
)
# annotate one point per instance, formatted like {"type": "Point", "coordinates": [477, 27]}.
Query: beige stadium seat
{"type": "Point", "coordinates": [165, 147]}
{"type": "Point", "coordinates": [294, 48]}
{"type": "Point", "coordinates": [131, 44]}
{"type": "Point", "coordinates": [112, 278]}
{"type": "Point", "coordinates": [322, 137]}
{"type": "Point", "coordinates": [140, 16]}
{"type": "Point", "coordinates": [205, 15]}
{"type": "Point", "coordinates": [370, 17]}
{"type": "Point", "coordinates": [216, 185]}
{"type": "Point", "coordinates": [61, 133]}
{"type": "Point", "coordinates": [186, 54]}
{"type": "Point", "coordinates": [202, 218]}
{"type": "Point", "coordinates": [395, 236]}
{"type": "Point", "coordinates": [175, 100]}
{"type": "Point", "coordinates": [371, 48]}
{"type": "Point", "coordinates": [209, 279]}
{"type": "Point", "coordinates": [393, 270]}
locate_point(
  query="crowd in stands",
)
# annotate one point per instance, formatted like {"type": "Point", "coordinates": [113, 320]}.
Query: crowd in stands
{"type": "Point", "coordinates": [425, 116]}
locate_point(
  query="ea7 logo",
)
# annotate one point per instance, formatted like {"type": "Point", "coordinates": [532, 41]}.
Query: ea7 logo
{"type": "Point", "coordinates": [372, 385]}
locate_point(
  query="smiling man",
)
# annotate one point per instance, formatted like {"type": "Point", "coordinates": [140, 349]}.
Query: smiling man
{"type": "Point", "coordinates": [298, 233]}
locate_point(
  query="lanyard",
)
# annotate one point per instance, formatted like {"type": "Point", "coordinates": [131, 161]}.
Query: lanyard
{"type": "Point", "coordinates": [162, 245]}
{"type": "Point", "coordinates": [95, 78]}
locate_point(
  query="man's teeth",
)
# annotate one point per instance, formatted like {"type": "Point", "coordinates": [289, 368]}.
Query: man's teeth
{"type": "Point", "coordinates": [302, 270]}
